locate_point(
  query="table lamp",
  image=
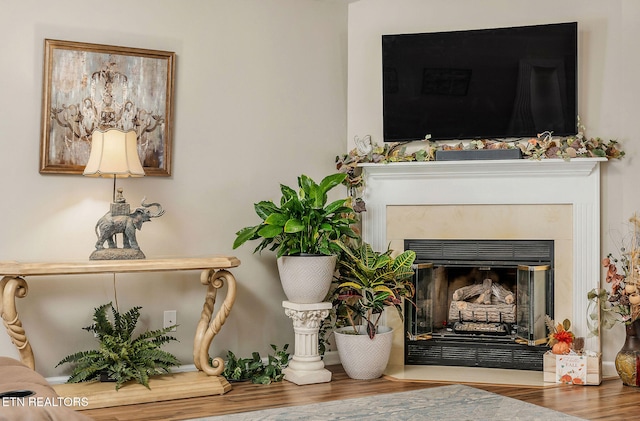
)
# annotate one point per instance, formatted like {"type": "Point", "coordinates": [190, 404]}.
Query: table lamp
{"type": "Point", "coordinates": [114, 153]}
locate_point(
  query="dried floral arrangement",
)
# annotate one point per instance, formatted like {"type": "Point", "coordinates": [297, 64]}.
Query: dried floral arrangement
{"type": "Point", "coordinates": [544, 146]}
{"type": "Point", "coordinates": [560, 338]}
{"type": "Point", "coordinates": [578, 146]}
{"type": "Point", "coordinates": [622, 303]}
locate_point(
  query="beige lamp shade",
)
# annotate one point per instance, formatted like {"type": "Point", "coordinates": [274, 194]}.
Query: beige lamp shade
{"type": "Point", "coordinates": [114, 153]}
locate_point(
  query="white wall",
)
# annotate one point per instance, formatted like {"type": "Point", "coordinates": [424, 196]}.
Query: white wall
{"type": "Point", "coordinates": [260, 98]}
{"type": "Point", "coordinates": [608, 82]}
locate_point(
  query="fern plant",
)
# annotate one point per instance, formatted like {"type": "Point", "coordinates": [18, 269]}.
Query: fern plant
{"type": "Point", "coordinates": [121, 356]}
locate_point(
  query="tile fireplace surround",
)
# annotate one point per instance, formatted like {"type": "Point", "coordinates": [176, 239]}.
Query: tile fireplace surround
{"type": "Point", "coordinates": [510, 199]}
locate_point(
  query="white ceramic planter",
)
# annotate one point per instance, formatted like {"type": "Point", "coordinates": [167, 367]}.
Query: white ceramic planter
{"type": "Point", "coordinates": [363, 358]}
{"type": "Point", "coordinates": [306, 279]}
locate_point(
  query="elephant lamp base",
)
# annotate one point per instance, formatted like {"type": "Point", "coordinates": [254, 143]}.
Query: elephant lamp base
{"type": "Point", "coordinates": [121, 221]}
{"type": "Point", "coordinates": [117, 254]}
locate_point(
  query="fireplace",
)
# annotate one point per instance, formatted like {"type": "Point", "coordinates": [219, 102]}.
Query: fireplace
{"type": "Point", "coordinates": [479, 303]}
{"type": "Point", "coordinates": [552, 200]}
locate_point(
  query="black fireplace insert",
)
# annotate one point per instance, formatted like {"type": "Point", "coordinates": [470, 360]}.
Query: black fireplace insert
{"type": "Point", "coordinates": [480, 303]}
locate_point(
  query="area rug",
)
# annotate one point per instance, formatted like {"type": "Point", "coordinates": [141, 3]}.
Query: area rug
{"type": "Point", "coordinates": [455, 402]}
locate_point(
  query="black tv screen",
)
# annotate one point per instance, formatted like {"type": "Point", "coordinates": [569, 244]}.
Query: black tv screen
{"type": "Point", "coordinates": [480, 84]}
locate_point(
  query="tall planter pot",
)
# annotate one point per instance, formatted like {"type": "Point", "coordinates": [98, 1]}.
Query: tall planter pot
{"type": "Point", "coordinates": [364, 358]}
{"type": "Point", "coordinates": [306, 279]}
{"type": "Point", "coordinates": [628, 358]}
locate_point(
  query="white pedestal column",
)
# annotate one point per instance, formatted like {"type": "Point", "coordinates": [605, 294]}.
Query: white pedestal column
{"type": "Point", "coordinates": [306, 366]}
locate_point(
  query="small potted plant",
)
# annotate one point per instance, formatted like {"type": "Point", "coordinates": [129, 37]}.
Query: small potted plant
{"type": "Point", "coordinates": [121, 357]}
{"type": "Point", "coordinates": [302, 231]}
{"type": "Point", "coordinates": [254, 369]}
{"type": "Point", "coordinates": [367, 283]}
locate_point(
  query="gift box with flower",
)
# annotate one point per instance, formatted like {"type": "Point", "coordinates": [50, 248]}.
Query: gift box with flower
{"type": "Point", "coordinates": [578, 369]}
{"type": "Point", "coordinates": [567, 362]}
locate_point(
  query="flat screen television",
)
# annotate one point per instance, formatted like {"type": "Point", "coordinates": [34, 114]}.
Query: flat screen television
{"type": "Point", "coordinates": [481, 84]}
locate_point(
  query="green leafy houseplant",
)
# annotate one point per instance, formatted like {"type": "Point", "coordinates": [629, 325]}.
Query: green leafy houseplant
{"type": "Point", "coordinates": [303, 222]}
{"type": "Point", "coordinates": [254, 369]}
{"type": "Point", "coordinates": [121, 356]}
{"type": "Point", "coordinates": [369, 281]}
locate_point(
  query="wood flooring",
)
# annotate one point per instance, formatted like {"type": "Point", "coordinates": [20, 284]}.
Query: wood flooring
{"type": "Point", "coordinates": [610, 401]}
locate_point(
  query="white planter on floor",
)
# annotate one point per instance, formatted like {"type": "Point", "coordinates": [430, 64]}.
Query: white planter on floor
{"type": "Point", "coordinates": [363, 358]}
{"type": "Point", "coordinates": [306, 279]}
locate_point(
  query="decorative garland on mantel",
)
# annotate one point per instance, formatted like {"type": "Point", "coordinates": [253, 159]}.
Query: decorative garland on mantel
{"type": "Point", "coordinates": [544, 146]}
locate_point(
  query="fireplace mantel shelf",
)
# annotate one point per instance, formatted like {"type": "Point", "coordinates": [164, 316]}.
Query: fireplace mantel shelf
{"type": "Point", "coordinates": [456, 169]}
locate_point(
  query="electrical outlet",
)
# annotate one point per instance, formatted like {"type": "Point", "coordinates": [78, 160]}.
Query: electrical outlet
{"type": "Point", "coordinates": [170, 319]}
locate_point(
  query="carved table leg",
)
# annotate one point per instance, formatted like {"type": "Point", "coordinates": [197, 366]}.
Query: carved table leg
{"type": "Point", "coordinates": [11, 288]}
{"type": "Point", "coordinates": [208, 329]}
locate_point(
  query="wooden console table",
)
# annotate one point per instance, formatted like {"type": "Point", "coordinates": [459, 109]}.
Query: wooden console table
{"type": "Point", "coordinates": [214, 274]}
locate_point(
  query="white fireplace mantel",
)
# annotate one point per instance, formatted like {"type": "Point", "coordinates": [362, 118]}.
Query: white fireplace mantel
{"type": "Point", "coordinates": [506, 182]}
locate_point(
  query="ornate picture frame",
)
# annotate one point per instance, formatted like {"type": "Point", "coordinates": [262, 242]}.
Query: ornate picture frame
{"type": "Point", "coordinates": [93, 86]}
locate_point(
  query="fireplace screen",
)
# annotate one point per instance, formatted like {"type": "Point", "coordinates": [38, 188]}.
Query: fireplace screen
{"type": "Point", "coordinates": [533, 290]}
{"type": "Point", "coordinates": [419, 317]}
{"type": "Point", "coordinates": [480, 303]}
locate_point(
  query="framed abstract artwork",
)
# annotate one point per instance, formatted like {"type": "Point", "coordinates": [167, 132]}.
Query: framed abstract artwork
{"type": "Point", "coordinates": [87, 87]}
